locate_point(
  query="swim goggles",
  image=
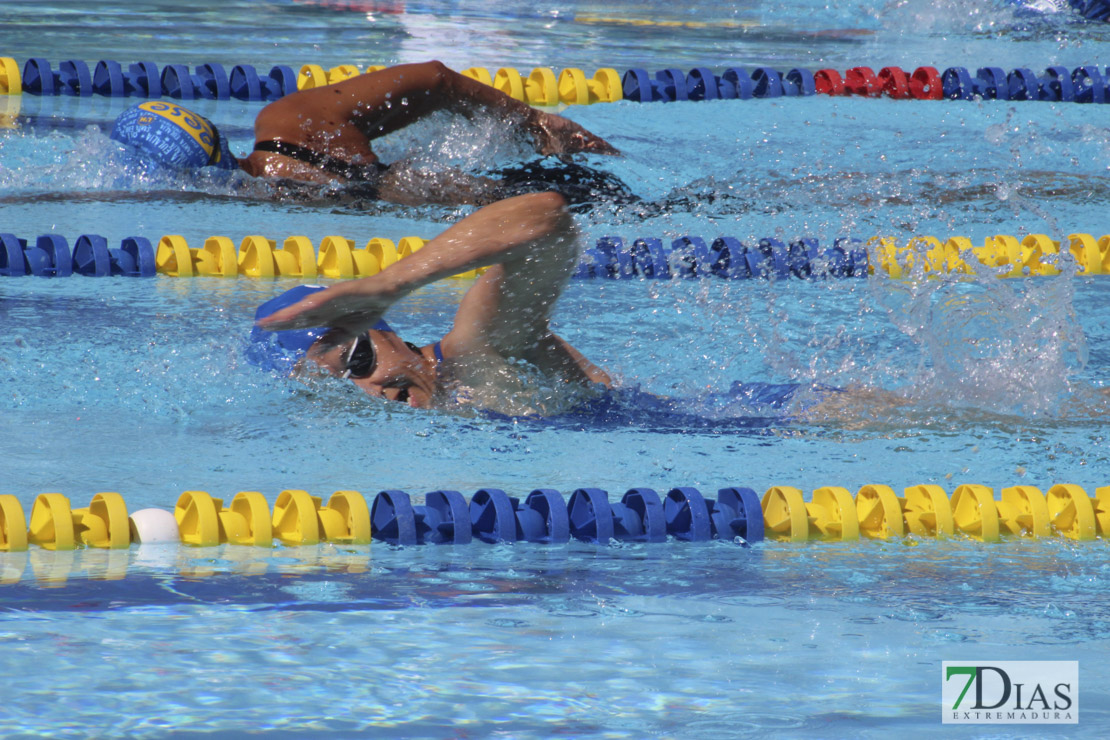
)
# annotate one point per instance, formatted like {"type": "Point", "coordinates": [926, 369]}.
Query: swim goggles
{"type": "Point", "coordinates": [362, 358]}
{"type": "Point", "coordinates": [215, 155]}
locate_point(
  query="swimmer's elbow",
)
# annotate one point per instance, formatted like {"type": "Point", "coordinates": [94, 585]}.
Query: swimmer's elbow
{"type": "Point", "coordinates": [438, 74]}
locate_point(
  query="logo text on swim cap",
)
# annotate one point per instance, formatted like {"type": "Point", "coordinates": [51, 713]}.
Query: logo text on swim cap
{"type": "Point", "coordinates": [196, 126]}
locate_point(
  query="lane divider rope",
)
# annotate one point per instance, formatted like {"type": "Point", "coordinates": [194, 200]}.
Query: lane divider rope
{"type": "Point", "coordinates": [609, 258]}
{"type": "Point", "coordinates": [257, 257]}
{"type": "Point", "coordinates": [543, 86]}
{"type": "Point", "coordinates": [832, 513]}
{"type": "Point", "coordinates": [728, 257]}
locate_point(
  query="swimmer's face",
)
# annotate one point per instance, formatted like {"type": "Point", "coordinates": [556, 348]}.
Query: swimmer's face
{"type": "Point", "coordinates": [400, 374]}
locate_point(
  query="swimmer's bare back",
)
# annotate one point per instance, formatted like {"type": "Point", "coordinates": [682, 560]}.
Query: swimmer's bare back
{"type": "Point", "coordinates": [340, 121]}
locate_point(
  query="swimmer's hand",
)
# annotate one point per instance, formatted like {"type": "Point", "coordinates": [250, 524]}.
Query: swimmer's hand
{"type": "Point", "coordinates": [552, 134]}
{"type": "Point", "coordinates": [352, 307]}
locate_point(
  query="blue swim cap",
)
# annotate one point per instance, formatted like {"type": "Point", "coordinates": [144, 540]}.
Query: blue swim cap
{"type": "Point", "coordinates": [280, 350]}
{"type": "Point", "coordinates": [173, 136]}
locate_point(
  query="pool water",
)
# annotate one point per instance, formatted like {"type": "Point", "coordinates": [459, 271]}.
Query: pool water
{"type": "Point", "coordinates": [141, 387]}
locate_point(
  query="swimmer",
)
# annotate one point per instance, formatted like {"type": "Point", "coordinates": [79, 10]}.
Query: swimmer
{"type": "Point", "coordinates": [324, 135]}
{"type": "Point", "coordinates": [529, 245]}
{"type": "Point", "coordinates": [501, 329]}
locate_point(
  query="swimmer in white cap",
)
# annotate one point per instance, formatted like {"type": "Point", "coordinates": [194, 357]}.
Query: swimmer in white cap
{"type": "Point", "coordinates": [324, 134]}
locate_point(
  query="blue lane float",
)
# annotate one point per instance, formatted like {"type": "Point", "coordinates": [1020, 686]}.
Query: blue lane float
{"type": "Point", "coordinates": [492, 516]}
{"type": "Point", "coordinates": [71, 78]}
{"type": "Point", "coordinates": [443, 519]}
{"type": "Point", "coordinates": [140, 80]}
{"type": "Point", "coordinates": [544, 516]}
{"type": "Point", "coordinates": [671, 85]}
{"type": "Point", "coordinates": [724, 257]}
{"type": "Point", "coordinates": [108, 78]}
{"type": "Point", "coordinates": [638, 517]}
{"type": "Point", "coordinates": [209, 82]}
{"type": "Point", "coordinates": [737, 513]}
{"type": "Point", "coordinates": [497, 517]}
{"type": "Point", "coordinates": [50, 256]}
{"type": "Point", "coordinates": [247, 84]}
{"type": "Point", "coordinates": [1085, 84]}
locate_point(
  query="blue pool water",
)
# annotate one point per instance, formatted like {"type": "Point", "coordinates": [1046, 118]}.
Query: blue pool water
{"type": "Point", "coordinates": [141, 387]}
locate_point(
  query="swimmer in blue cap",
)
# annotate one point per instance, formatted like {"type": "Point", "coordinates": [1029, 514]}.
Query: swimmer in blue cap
{"type": "Point", "coordinates": [529, 245]}
{"type": "Point", "coordinates": [172, 136]}
{"type": "Point", "coordinates": [282, 350]}
{"type": "Point", "coordinates": [324, 134]}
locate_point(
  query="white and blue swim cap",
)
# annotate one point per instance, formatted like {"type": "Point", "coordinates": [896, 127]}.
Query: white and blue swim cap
{"type": "Point", "coordinates": [280, 350]}
{"type": "Point", "coordinates": [173, 136]}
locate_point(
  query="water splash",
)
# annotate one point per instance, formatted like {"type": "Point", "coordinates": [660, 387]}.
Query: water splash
{"type": "Point", "coordinates": [993, 344]}
{"type": "Point", "coordinates": [90, 165]}
{"type": "Point", "coordinates": [443, 140]}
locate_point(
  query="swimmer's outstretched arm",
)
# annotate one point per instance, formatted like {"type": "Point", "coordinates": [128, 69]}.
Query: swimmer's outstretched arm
{"type": "Point", "coordinates": [382, 102]}
{"type": "Point", "coordinates": [529, 244]}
